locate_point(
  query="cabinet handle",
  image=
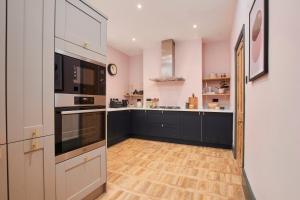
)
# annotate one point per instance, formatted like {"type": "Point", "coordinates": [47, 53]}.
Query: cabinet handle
{"type": "Point", "coordinates": [85, 45]}
{"type": "Point", "coordinates": [162, 125]}
{"type": "Point", "coordinates": [34, 145]}
{"type": "Point", "coordinates": [35, 133]}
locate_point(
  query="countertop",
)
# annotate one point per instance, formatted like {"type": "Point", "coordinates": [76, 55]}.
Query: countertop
{"type": "Point", "coordinates": [163, 109]}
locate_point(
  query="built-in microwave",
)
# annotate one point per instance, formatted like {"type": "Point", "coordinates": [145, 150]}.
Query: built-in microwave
{"type": "Point", "coordinates": [76, 75]}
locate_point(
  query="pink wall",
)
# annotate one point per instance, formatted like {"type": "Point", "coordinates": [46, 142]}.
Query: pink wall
{"type": "Point", "coordinates": [188, 63]}
{"type": "Point", "coordinates": [272, 138]}
{"type": "Point", "coordinates": [216, 58]}
{"type": "Point", "coordinates": [117, 86]}
{"type": "Point", "coordinates": [136, 72]}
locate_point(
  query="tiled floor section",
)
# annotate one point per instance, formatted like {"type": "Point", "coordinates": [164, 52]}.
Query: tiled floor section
{"type": "Point", "coordinates": [139, 169]}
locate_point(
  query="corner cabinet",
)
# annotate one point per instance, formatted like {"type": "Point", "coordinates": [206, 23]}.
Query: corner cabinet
{"type": "Point", "coordinates": [80, 176]}
{"type": "Point", "coordinates": [30, 61]}
{"type": "Point", "coordinates": [119, 126]}
{"type": "Point", "coordinates": [3, 173]}
{"type": "Point", "coordinates": [2, 71]}
{"type": "Point", "coordinates": [32, 169]}
{"type": "Point", "coordinates": [79, 29]}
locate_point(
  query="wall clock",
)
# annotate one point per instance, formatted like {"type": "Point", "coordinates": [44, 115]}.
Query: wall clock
{"type": "Point", "coordinates": [112, 69]}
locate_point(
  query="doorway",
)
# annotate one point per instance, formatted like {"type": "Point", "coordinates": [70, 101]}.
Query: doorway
{"type": "Point", "coordinates": [240, 98]}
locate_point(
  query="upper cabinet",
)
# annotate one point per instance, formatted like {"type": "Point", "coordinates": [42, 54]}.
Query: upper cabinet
{"type": "Point", "coordinates": [80, 30]}
{"type": "Point", "coordinates": [2, 71]}
{"type": "Point", "coordinates": [30, 69]}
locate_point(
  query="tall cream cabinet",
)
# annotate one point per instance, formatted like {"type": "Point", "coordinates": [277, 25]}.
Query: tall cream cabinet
{"type": "Point", "coordinates": [80, 30]}
{"type": "Point", "coordinates": [3, 173]}
{"type": "Point", "coordinates": [30, 99]}
{"type": "Point", "coordinates": [32, 169]}
{"type": "Point", "coordinates": [3, 148]}
{"type": "Point", "coordinates": [30, 60]}
{"type": "Point", "coordinates": [2, 71]}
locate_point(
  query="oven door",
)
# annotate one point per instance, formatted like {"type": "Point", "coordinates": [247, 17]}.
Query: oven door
{"type": "Point", "coordinates": [78, 131]}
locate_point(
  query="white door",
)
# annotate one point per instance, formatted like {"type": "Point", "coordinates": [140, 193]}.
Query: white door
{"type": "Point", "coordinates": [78, 177]}
{"type": "Point", "coordinates": [30, 63]}
{"type": "Point", "coordinates": [3, 173]}
{"type": "Point", "coordinates": [31, 166]}
{"type": "Point", "coordinates": [81, 25]}
{"type": "Point", "coordinates": [2, 71]}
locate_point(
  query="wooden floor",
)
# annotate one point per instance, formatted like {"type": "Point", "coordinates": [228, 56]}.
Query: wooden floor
{"type": "Point", "coordinates": [140, 169]}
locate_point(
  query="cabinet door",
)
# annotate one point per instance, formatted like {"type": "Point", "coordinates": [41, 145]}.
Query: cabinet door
{"type": "Point", "coordinates": [3, 173]}
{"type": "Point", "coordinates": [191, 126]}
{"type": "Point", "coordinates": [80, 25]}
{"type": "Point", "coordinates": [138, 122]}
{"type": "Point", "coordinates": [217, 128]}
{"type": "Point", "coordinates": [119, 126]}
{"type": "Point", "coordinates": [171, 124]}
{"type": "Point", "coordinates": [154, 123]}
{"type": "Point", "coordinates": [30, 93]}
{"type": "Point", "coordinates": [31, 166]}
{"type": "Point", "coordinates": [78, 177]}
{"type": "Point", "coordinates": [2, 71]}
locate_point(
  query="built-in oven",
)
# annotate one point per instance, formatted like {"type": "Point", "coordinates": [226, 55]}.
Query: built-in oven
{"type": "Point", "coordinates": [78, 130]}
{"type": "Point", "coordinates": [80, 102]}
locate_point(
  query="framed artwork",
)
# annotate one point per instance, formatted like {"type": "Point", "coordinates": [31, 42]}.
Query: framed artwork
{"type": "Point", "coordinates": [258, 39]}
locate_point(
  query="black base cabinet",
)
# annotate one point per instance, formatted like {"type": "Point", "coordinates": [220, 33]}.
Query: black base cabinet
{"type": "Point", "coordinates": [118, 126]}
{"type": "Point", "coordinates": [196, 128]}
{"type": "Point", "coordinates": [217, 129]}
{"type": "Point", "coordinates": [191, 126]}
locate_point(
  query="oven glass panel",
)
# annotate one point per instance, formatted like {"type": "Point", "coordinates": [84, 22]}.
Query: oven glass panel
{"type": "Point", "coordinates": [79, 130]}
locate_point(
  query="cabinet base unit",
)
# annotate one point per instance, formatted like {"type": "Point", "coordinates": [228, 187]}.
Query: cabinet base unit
{"type": "Point", "coordinates": [3, 173]}
{"type": "Point", "coordinates": [31, 166]}
{"type": "Point", "coordinates": [212, 129]}
{"type": "Point", "coordinates": [82, 177]}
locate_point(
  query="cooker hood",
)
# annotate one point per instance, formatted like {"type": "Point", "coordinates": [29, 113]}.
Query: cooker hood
{"type": "Point", "coordinates": [167, 70]}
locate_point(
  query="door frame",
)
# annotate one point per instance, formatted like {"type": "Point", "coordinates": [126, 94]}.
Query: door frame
{"type": "Point", "coordinates": [240, 38]}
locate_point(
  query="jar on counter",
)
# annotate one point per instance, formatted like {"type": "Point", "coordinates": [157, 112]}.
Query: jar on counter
{"type": "Point", "coordinates": [148, 103]}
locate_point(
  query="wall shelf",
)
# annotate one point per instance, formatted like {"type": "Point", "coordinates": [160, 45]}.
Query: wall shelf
{"type": "Point", "coordinates": [216, 94]}
{"type": "Point", "coordinates": [217, 79]}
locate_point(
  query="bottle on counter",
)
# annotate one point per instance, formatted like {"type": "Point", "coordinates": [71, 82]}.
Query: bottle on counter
{"type": "Point", "coordinates": [139, 103]}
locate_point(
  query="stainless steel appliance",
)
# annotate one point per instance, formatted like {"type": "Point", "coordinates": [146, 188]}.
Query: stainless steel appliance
{"type": "Point", "coordinates": [80, 107]}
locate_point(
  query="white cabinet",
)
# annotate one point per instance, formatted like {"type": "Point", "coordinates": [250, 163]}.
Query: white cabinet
{"type": "Point", "coordinates": [31, 166]}
{"type": "Point", "coordinates": [80, 30]}
{"type": "Point", "coordinates": [78, 177]}
{"type": "Point", "coordinates": [30, 63]}
{"type": "Point", "coordinates": [2, 71]}
{"type": "Point", "coordinates": [3, 173]}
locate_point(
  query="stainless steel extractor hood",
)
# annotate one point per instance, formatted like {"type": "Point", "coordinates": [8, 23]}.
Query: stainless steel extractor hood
{"type": "Point", "coordinates": [167, 71]}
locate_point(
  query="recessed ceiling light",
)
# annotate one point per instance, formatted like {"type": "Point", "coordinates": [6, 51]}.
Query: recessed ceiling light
{"type": "Point", "coordinates": [139, 6]}
{"type": "Point", "coordinates": [195, 26]}
{"type": "Point", "coordinates": [133, 39]}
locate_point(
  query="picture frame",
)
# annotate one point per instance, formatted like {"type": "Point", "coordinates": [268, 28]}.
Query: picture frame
{"type": "Point", "coordinates": [258, 39]}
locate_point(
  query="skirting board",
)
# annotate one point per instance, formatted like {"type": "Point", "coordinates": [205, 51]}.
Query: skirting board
{"type": "Point", "coordinates": [249, 195]}
{"type": "Point", "coordinates": [98, 192]}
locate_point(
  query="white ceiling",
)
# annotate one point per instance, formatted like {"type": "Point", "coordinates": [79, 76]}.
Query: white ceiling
{"type": "Point", "coordinates": [164, 19]}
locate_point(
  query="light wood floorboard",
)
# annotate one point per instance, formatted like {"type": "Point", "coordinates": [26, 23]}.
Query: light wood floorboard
{"type": "Point", "coordinates": [148, 170]}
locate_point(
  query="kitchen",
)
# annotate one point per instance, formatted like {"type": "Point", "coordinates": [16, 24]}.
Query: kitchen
{"type": "Point", "coordinates": [133, 101]}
